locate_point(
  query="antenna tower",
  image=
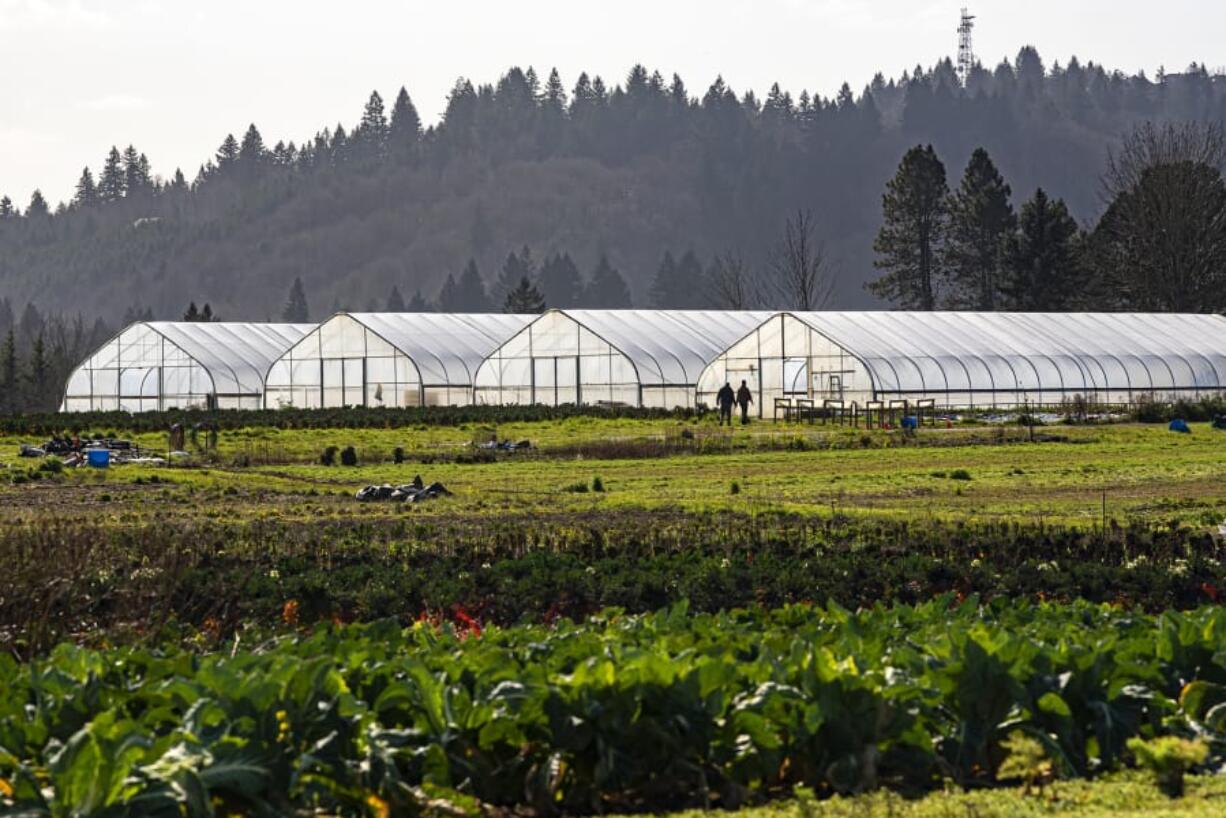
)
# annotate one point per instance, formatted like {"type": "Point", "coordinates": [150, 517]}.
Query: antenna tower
{"type": "Point", "coordinates": [966, 54]}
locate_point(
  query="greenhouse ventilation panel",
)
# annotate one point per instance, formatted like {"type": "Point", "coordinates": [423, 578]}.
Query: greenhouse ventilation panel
{"type": "Point", "coordinates": [154, 365]}
{"type": "Point", "coordinates": [610, 357]}
{"type": "Point", "coordinates": [975, 359]}
{"type": "Point", "coordinates": [388, 359]}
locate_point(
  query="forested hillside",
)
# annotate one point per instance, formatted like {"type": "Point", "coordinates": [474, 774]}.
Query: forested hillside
{"type": "Point", "coordinates": [625, 170]}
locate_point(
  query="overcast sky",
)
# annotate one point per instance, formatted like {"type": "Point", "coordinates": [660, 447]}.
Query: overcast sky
{"type": "Point", "coordinates": [173, 77]}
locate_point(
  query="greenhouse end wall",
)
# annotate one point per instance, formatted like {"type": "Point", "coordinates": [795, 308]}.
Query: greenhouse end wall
{"type": "Point", "coordinates": [787, 358]}
{"type": "Point", "coordinates": [555, 361]}
{"type": "Point", "coordinates": [343, 363]}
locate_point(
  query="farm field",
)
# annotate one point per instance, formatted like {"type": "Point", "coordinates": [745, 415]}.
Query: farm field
{"type": "Point", "coordinates": [795, 619]}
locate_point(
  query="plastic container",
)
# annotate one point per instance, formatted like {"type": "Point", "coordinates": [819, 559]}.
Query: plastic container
{"type": "Point", "coordinates": [98, 458]}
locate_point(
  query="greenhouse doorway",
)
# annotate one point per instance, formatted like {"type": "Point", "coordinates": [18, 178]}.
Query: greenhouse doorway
{"type": "Point", "coordinates": [737, 372]}
{"type": "Point", "coordinates": [343, 382]}
{"type": "Point", "coordinates": [555, 381]}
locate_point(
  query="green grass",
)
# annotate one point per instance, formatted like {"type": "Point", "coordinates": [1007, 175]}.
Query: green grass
{"type": "Point", "coordinates": [1145, 472]}
{"type": "Point", "coordinates": [1127, 795]}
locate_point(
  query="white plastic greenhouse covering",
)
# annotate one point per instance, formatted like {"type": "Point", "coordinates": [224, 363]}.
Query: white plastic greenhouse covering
{"type": "Point", "coordinates": [388, 359]}
{"type": "Point", "coordinates": [166, 365]}
{"type": "Point", "coordinates": [970, 359]}
{"type": "Point", "coordinates": [610, 357]}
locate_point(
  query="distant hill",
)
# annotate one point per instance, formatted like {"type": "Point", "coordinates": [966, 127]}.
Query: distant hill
{"type": "Point", "coordinates": [630, 170]}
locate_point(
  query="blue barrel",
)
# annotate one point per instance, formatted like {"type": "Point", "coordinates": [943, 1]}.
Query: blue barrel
{"type": "Point", "coordinates": [98, 458]}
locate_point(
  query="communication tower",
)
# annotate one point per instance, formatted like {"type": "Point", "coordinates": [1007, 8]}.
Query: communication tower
{"type": "Point", "coordinates": [966, 54]}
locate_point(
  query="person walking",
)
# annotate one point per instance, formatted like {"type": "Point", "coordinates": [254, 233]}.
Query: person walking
{"type": "Point", "coordinates": [744, 397]}
{"type": "Point", "coordinates": [724, 400]}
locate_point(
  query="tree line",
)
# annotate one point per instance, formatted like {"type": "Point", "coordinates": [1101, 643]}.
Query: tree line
{"type": "Point", "coordinates": [626, 170]}
{"type": "Point", "coordinates": [1160, 244]}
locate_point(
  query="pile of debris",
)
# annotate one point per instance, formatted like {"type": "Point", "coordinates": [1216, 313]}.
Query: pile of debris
{"type": "Point", "coordinates": [505, 445]}
{"type": "Point", "coordinates": [415, 492]}
{"type": "Point", "coordinates": [75, 451]}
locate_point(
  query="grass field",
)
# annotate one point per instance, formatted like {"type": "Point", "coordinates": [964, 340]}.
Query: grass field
{"type": "Point", "coordinates": [1141, 472]}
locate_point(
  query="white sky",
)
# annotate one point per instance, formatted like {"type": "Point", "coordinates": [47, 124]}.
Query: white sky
{"type": "Point", "coordinates": [173, 77]}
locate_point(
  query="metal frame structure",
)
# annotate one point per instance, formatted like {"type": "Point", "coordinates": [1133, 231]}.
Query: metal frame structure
{"type": "Point", "coordinates": [977, 360]}
{"type": "Point", "coordinates": [387, 359]}
{"type": "Point", "coordinates": [609, 357]}
{"type": "Point", "coordinates": [154, 365]}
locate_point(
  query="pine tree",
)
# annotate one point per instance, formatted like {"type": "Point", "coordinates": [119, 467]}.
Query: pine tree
{"type": "Point", "coordinates": [470, 291]}
{"type": "Point", "coordinates": [524, 299]}
{"type": "Point", "coordinates": [206, 314]}
{"type": "Point", "coordinates": [554, 98]}
{"type": "Point", "coordinates": [395, 301]}
{"type": "Point", "coordinates": [192, 314]}
{"type": "Point", "coordinates": [296, 309]}
{"type": "Point", "coordinates": [37, 376]}
{"type": "Point", "coordinates": [559, 281]}
{"type": "Point", "coordinates": [449, 296]}
{"type": "Point", "coordinates": [417, 303]}
{"type": "Point", "coordinates": [404, 134]}
{"type": "Point", "coordinates": [912, 235]}
{"type": "Point", "coordinates": [690, 282]}
{"type": "Point", "coordinates": [112, 185]}
{"type": "Point", "coordinates": [7, 211]}
{"type": "Point", "coordinates": [137, 180]}
{"type": "Point", "coordinates": [607, 289]}
{"type": "Point", "coordinates": [371, 133]}
{"type": "Point", "coordinates": [87, 191]}
{"type": "Point", "coordinates": [252, 153]}
{"type": "Point", "coordinates": [38, 206]}
{"type": "Point", "coordinates": [9, 387]}
{"type": "Point", "coordinates": [980, 217]}
{"type": "Point", "coordinates": [1040, 267]}
{"type": "Point", "coordinates": [663, 293]}
{"type": "Point", "coordinates": [227, 154]}
{"type": "Point", "coordinates": [516, 268]}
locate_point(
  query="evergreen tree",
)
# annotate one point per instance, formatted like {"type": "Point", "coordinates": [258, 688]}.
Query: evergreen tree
{"type": "Point", "coordinates": [206, 314]}
{"type": "Point", "coordinates": [372, 131]}
{"type": "Point", "coordinates": [607, 289]}
{"type": "Point", "coordinates": [404, 134]}
{"type": "Point", "coordinates": [296, 310]}
{"type": "Point", "coordinates": [7, 211]}
{"type": "Point", "coordinates": [516, 268]}
{"type": "Point", "coordinates": [663, 288]}
{"type": "Point", "coordinates": [554, 99]}
{"type": "Point", "coordinates": [112, 184]}
{"type": "Point", "coordinates": [1039, 261]}
{"type": "Point", "coordinates": [227, 154]}
{"type": "Point", "coordinates": [449, 296]}
{"type": "Point", "coordinates": [8, 374]}
{"type": "Point", "coordinates": [87, 191]}
{"type": "Point", "coordinates": [37, 376]}
{"type": "Point", "coordinates": [524, 299]}
{"type": "Point", "coordinates": [252, 153]}
{"type": "Point", "coordinates": [417, 303]}
{"type": "Point", "coordinates": [980, 217]}
{"type": "Point", "coordinates": [192, 314]}
{"type": "Point", "coordinates": [912, 235]}
{"type": "Point", "coordinates": [691, 277]}
{"type": "Point", "coordinates": [38, 206]}
{"type": "Point", "coordinates": [470, 291]}
{"type": "Point", "coordinates": [137, 178]}
{"type": "Point", "coordinates": [559, 281]}
{"type": "Point", "coordinates": [395, 301]}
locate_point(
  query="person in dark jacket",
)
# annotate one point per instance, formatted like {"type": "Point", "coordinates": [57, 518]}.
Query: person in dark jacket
{"type": "Point", "coordinates": [744, 397]}
{"type": "Point", "coordinates": [724, 400]}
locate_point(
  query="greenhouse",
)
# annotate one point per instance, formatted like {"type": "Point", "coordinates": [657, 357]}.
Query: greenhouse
{"type": "Point", "coordinates": [154, 365]}
{"type": "Point", "coordinates": [972, 360]}
{"type": "Point", "coordinates": [388, 359]}
{"type": "Point", "coordinates": [610, 357]}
